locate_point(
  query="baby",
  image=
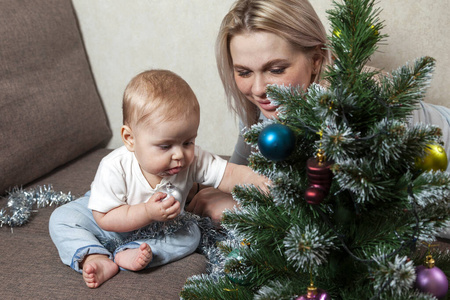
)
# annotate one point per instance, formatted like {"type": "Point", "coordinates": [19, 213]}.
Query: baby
{"type": "Point", "coordinates": [161, 116]}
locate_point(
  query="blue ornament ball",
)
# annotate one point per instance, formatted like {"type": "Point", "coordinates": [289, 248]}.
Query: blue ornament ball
{"type": "Point", "coordinates": [276, 142]}
{"type": "Point", "coordinates": [240, 279]}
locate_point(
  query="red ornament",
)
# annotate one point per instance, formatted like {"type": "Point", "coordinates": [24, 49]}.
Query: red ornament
{"type": "Point", "coordinates": [319, 176]}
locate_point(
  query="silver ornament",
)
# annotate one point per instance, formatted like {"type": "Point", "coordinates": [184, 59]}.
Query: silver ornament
{"type": "Point", "coordinates": [171, 190]}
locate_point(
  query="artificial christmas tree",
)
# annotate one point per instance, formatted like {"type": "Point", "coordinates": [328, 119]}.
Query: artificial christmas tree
{"type": "Point", "coordinates": [351, 234]}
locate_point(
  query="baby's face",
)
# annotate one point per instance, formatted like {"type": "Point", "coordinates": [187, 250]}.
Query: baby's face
{"type": "Point", "coordinates": [164, 148]}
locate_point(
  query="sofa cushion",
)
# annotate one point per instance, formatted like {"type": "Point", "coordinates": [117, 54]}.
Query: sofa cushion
{"type": "Point", "coordinates": [50, 109]}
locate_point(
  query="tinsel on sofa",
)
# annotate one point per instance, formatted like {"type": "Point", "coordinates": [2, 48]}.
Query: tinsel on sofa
{"type": "Point", "coordinates": [22, 203]}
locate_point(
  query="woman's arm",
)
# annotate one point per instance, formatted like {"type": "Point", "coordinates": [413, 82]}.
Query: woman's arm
{"type": "Point", "coordinates": [132, 217]}
{"type": "Point", "coordinates": [240, 175]}
{"type": "Point", "coordinates": [210, 202]}
{"type": "Point", "coordinates": [241, 149]}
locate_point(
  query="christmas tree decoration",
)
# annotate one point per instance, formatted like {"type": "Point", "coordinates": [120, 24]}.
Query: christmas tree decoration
{"type": "Point", "coordinates": [22, 203]}
{"type": "Point", "coordinates": [161, 230]}
{"type": "Point", "coordinates": [245, 243]}
{"type": "Point", "coordinates": [375, 31]}
{"type": "Point", "coordinates": [360, 241]}
{"type": "Point", "coordinates": [236, 277]}
{"type": "Point", "coordinates": [431, 280]}
{"type": "Point", "coordinates": [337, 32]}
{"type": "Point", "coordinates": [276, 142]}
{"type": "Point", "coordinates": [435, 159]}
{"type": "Point", "coordinates": [170, 190]}
{"type": "Point", "coordinates": [319, 177]}
{"type": "Point", "coordinates": [314, 293]}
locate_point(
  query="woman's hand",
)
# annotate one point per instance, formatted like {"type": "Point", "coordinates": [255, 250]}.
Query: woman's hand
{"type": "Point", "coordinates": [210, 202]}
{"type": "Point", "coordinates": [241, 175]}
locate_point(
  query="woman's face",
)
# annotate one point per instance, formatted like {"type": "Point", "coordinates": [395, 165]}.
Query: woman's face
{"type": "Point", "coordinates": [261, 58]}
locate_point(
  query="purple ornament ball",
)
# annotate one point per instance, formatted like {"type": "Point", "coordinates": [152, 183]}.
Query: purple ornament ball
{"type": "Point", "coordinates": [319, 294]}
{"type": "Point", "coordinates": [432, 281]}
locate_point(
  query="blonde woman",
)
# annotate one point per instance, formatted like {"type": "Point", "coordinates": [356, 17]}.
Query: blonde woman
{"type": "Point", "coordinates": [260, 43]}
{"type": "Point", "coordinates": [263, 42]}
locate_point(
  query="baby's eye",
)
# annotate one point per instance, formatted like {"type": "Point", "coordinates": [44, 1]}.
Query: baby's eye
{"type": "Point", "coordinates": [164, 147]}
{"type": "Point", "coordinates": [189, 143]}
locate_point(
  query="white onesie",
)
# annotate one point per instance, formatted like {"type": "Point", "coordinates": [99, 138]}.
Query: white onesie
{"type": "Point", "coordinates": [119, 179]}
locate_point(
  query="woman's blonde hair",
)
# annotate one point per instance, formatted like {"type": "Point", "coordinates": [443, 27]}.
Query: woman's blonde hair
{"type": "Point", "coordinates": [294, 20]}
{"type": "Point", "coordinates": [157, 93]}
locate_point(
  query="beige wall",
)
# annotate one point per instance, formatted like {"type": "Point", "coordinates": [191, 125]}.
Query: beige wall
{"type": "Point", "coordinates": [124, 38]}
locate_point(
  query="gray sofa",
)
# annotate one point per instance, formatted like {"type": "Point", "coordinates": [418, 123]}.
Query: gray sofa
{"type": "Point", "coordinates": [53, 130]}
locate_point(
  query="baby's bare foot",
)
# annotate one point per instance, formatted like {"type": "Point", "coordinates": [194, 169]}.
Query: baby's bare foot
{"type": "Point", "coordinates": [98, 269]}
{"type": "Point", "coordinates": [135, 259]}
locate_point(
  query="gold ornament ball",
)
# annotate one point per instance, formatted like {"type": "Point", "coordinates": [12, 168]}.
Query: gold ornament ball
{"type": "Point", "coordinates": [435, 159]}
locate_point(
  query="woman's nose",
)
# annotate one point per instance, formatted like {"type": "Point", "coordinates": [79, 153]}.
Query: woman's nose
{"type": "Point", "coordinates": [259, 86]}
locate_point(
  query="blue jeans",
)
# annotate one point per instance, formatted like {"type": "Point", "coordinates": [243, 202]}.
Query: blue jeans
{"type": "Point", "coordinates": [76, 234]}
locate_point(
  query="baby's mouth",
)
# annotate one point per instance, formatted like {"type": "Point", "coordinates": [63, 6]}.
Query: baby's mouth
{"type": "Point", "coordinates": [173, 171]}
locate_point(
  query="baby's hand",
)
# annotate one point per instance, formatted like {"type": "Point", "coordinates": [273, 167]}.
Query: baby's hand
{"type": "Point", "coordinates": [158, 210]}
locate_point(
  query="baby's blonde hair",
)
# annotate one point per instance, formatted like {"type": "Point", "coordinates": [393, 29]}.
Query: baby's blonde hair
{"type": "Point", "coordinates": [293, 20]}
{"type": "Point", "coordinates": [157, 93]}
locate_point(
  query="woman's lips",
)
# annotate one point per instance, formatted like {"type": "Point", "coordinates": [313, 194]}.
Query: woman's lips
{"type": "Point", "coordinates": [267, 105]}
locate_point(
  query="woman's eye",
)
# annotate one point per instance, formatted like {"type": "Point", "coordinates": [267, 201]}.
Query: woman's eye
{"type": "Point", "coordinates": [243, 73]}
{"type": "Point", "coordinates": [277, 70]}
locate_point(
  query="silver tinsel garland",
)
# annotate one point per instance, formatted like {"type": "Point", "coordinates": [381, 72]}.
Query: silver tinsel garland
{"type": "Point", "coordinates": [21, 203]}
{"type": "Point", "coordinates": [210, 234]}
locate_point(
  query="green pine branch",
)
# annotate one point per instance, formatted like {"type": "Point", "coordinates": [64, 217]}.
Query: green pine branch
{"type": "Point", "coordinates": [407, 86]}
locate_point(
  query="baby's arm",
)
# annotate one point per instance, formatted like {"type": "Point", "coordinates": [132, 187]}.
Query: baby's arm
{"type": "Point", "coordinates": [239, 174]}
{"type": "Point", "coordinates": [132, 217]}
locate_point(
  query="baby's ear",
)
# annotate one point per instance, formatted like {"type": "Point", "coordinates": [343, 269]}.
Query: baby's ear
{"type": "Point", "coordinates": [127, 137]}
